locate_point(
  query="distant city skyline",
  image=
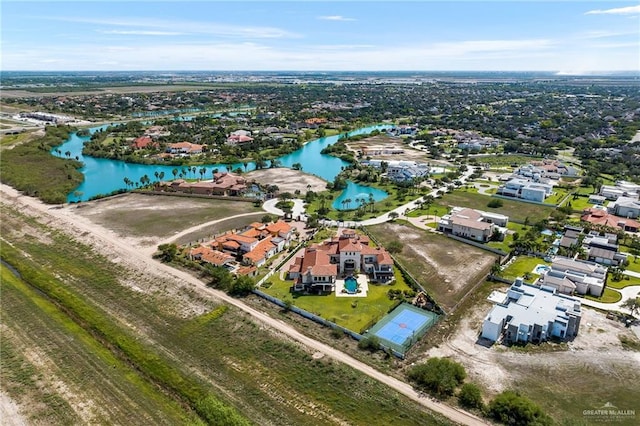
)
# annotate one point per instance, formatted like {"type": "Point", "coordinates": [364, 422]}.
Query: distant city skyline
{"type": "Point", "coordinates": [566, 37]}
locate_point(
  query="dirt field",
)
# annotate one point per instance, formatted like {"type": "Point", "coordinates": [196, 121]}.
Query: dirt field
{"type": "Point", "coordinates": [145, 220]}
{"type": "Point", "coordinates": [447, 268]}
{"type": "Point", "coordinates": [288, 180]}
{"type": "Point", "coordinates": [261, 371]}
{"type": "Point", "coordinates": [565, 380]}
{"type": "Point", "coordinates": [410, 154]}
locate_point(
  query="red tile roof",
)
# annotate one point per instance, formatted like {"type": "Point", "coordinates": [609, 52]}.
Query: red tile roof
{"type": "Point", "coordinates": [260, 251]}
{"type": "Point", "coordinates": [601, 217]}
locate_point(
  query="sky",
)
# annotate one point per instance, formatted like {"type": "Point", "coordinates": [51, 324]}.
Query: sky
{"type": "Point", "coordinates": [566, 37]}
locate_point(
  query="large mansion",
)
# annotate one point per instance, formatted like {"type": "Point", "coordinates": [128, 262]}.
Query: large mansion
{"type": "Point", "coordinates": [253, 246]}
{"type": "Point", "coordinates": [317, 269]}
{"type": "Point", "coordinates": [221, 184]}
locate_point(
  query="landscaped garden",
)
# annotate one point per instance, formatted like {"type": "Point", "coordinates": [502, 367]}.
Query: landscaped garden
{"type": "Point", "coordinates": [523, 266]}
{"type": "Point", "coordinates": [517, 211]}
{"type": "Point", "coordinates": [355, 313]}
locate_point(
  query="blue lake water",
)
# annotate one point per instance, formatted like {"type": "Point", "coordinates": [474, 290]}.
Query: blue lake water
{"type": "Point", "coordinates": [103, 176]}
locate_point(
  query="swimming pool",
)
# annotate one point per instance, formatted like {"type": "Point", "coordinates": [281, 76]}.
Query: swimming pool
{"type": "Point", "coordinates": [351, 285]}
{"type": "Point", "coordinates": [541, 269]}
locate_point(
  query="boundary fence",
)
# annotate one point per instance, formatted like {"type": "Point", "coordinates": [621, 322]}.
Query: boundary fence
{"type": "Point", "coordinates": [478, 245]}
{"type": "Point", "coordinates": [322, 321]}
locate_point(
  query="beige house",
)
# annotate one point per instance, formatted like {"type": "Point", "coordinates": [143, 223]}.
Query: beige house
{"type": "Point", "coordinates": [472, 224]}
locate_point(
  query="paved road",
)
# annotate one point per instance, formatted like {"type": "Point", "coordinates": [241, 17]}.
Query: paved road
{"type": "Point", "coordinates": [79, 225]}
{"type": "Point", "coordinates": [630, 292]}
{"type": "Point", "coordinates": [411, 205]}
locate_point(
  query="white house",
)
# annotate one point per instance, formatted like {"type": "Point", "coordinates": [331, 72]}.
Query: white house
{"type": "Point", "coordinates": [526, 190]}
{"type": "Point", "coordinates": [574, 276]}
{"type": "Point", "coordinates": [620, 189]}
{"type": "Point", "coordinates": [401, 170]}
{"type": "Point", "coordinates": [623, 206]}
{"type": "Point", "coordinates": [532, 314]}
{"type": "Point", "coordinates": [473, 224]}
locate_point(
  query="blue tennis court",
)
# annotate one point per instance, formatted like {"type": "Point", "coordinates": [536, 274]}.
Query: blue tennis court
{"type": "Point", "coordinates": [403, 326]}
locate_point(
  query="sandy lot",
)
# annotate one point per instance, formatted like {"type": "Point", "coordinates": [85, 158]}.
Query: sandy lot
{"type": "Point", "coordinates": [288, 180]}
{"type": "Point", "coordinates": [447, 268]}
{"type": "Point", "coordinates": [597, 348]}
{"type": "Point", "coordinates": [410, 154]}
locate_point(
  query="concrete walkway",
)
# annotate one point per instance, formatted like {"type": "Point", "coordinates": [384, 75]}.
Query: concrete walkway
{"type": "Point", "coordinates": [629, 292]}
{"type": "Point", "coordinates": [411, 205]}
{"type": "Point", "coordinates": [298, 207]}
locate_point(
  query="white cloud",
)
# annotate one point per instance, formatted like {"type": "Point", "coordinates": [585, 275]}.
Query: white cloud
{"type": "Point", "coordinates": [182, 26]}
{"type": "Point", "coordinates": [606, 34]}
{"type": "Point", "coordinates": [630, 10]}
{"type": "Point", "coordinates": [495, 55]}
{"type": "Point", "coordinates": [335, 18]}
{"type": "Point", "coordinates": [140, 32]}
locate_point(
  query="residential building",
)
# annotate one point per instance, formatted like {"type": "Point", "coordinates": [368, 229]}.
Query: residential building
{"type": "Point", "coordinates": [209, 255]}
{"type": "Point", "coordinates": [254, 245]}
{"type": "Point", "coordinates": [348, 254]}
{"type": "Point", "coordinates": [601, 250]}
{"type": "Point", "coordinates": [400, 171]}
{"type": "Point", "coordinates": [142, 142]}
{"type": "Point", "coordinates": [473, 224]}
{"type": "Point", "coordinates": [599, 216]}
{"type": "Point", "coordinates": [239, 137]}
{"type": "Point", "coordinates": [570, 276]}
{"type": "Point", "coordinates": [374, 150]}
{"type": "Point", "coordinates": [228, 184]}
{"type": "Point", "coordinates": [572, 237]}
{"type": "Point", "coordinates": [532, 314]}
{"type": "Point", "coordinates": [620, 189]}
{"type": "Point", "coordinates": [623, 206]}
{"type": "Point", "coordinates": [526, 190]}
{"type": "Point", "coordinates": [185, 148]}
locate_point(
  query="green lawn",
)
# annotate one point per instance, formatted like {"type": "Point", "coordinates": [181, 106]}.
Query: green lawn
{"type": "Point", "coordinates": [341, 310]}
{"type": "Point", "coordinates": [633, 265]}
{"type": "Point", "coordinates": [521, 266]}
{"type": "Point", "coordinates": [580, 203]}
{"type": "Point", "coordinates": [609, 296]}
{"type": "Point", "coordinates": [516, 210]}
{"type": "Point", "coordinates": [557, 196]}
{"type": "Point", "coordinates": [502, 160]}
{"type": "Point", "coordinates": [626, 282]}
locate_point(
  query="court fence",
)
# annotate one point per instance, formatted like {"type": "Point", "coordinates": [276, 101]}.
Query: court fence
{"type": "Point", "coordinates": [320, 320]}
{"type": "Point", "coordinates": [416, 334]}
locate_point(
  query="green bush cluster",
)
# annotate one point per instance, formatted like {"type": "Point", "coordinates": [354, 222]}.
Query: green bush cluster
{"type": "Point", "coordinates": [438, 376]}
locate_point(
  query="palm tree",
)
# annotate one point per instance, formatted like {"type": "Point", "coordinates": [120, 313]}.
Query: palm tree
{"type": "Point", "coordinates": [348, 201]}
{"type": "Point", "coordinates": [156, 174]}
{"type": "Point", "coordinates": [175, 173]}
{"type": "Point", "coordinates": [203, 171]}
{"type": "Point", "coordinates": [161, 175]}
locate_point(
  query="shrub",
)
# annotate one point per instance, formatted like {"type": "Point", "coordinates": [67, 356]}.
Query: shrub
{"type": "Point", "coordinates": [369, 343]}
{"type": "Point", "coordinates": [394, 246]}
{"type": "Point", "coordinates": [470, 396]}
{"type": "Point", "coordinates": [336, 333]}
{"type": "Point", "coordinates": [494, 204]}
{"type": "Point", "coordinates": [511, 408]}
{"type": "Point", "coordinates": [438, 376]}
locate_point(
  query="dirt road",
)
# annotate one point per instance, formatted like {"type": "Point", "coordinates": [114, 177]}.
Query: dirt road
{"type": "Point", "coordinates": [70, 222]}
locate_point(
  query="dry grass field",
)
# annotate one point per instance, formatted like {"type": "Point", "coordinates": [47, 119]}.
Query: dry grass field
{"type": "Point", "coordinates": [448, 269]}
